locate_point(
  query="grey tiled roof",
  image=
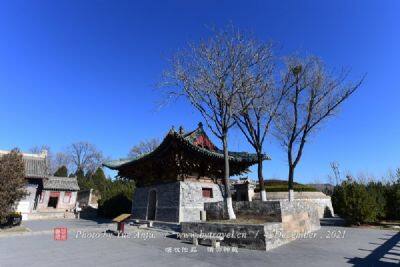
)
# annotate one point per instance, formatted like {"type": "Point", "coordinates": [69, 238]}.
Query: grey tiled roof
{"type": "Point", "coordinates": [35, 167]}
{"type": "Point", "coordinates": [188, 140]}
{"type": "Point", "coordinates": [35, 164]}
{"type": "Point", "coordinates": [61, 183]}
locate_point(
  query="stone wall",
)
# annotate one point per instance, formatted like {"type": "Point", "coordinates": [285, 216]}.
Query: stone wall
{"type": "Point", "coordinates": [25, 205]}
{"type": "Point", "coordinates": [192, 200]}
{"type": "Point", "coordinates": [323, 202]}
{"type": "Point", "coordinates": [271, 209]}
{"type": "Point", "coordinates": [299, 216]}
{"type": "Point", "coordinates": [248, 236]}
{"type": "Point", "coordinates": [293, 219]}
{"type": "Point", "coordinates": [176, 202]}
{"type": "Point", "coordinates": [88, 197]}
{"type": "Point", "coordinates": [167, 205]}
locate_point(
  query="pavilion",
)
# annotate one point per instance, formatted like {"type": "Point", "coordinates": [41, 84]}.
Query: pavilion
{"type": "Point", "coordinates": [179, 176]}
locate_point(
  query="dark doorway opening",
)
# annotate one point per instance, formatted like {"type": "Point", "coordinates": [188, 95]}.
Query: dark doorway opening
{"type": "Point", "coordinates": [53, 199]}
{"type": "Point", "coordinates": [52, 202]}
{"type": "Point", "coordinates": [152, 205]}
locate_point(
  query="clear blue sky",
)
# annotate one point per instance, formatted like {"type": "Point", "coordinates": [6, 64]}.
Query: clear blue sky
{"type": "Point", "coordinates": [85, 70]}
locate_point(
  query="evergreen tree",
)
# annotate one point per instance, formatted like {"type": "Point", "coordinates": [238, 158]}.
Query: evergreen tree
{"type": "Point", "coordinates": [117, 198]}
{"type": "Point", "coordinates": [83, 182]}
{"type": "Point", "coordinates": [61, 172]}
{"type": "Point", "coordinates": [99, 180]}
{"type": "Point", "coordinates": [12, 174]}
{"type": "Point", "coordinates": [353, 202]}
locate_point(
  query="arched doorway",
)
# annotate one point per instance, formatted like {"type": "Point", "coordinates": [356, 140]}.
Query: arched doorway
{"type": "Point", "coordinates": [152, 205]}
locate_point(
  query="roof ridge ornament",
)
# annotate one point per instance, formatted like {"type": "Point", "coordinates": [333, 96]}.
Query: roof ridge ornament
{"type": "Point", "coordinates": [181, 130]}
{"type": "Point", "coordinates": [172, 130]}
{"type": "Point", "coordinates": [200, 125]}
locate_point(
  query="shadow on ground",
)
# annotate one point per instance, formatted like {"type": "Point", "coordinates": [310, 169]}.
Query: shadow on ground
{"type": "Point", "coordinates": [332, 221]}
{"type": "Point", "coordinates": [386, 254]}
{"type": "Point", "coordinates": [90, 214]}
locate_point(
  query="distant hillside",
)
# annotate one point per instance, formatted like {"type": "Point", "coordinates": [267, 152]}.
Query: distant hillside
{"type": "Point", "coordinates": [277, 185]}
{"type": "Point", "coordinates": [326, 188]}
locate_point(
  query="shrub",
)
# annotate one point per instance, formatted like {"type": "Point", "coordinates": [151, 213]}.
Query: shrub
{"type": "Point", "coordinates": [282, 186]}
{"type": "Point", "coordinates": [377, 191]}
{"type": "Point", "coordinates": [116, 198]}
{"type": "Point", "coordinates": [353, 202]}
{"type": "Point", "coordinates": [61, 172]}
{"type": "Point", "coordinates": [12, 181]}
{"type": "Point", "coordinates": [393, 200]}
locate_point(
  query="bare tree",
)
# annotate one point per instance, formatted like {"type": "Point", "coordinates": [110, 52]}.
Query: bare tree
{"type": "Point", "coordinates": [336, 179]}
{"type": "Point", "coordinates": [210, 75]}
{"type": "Point", "coordinates": [61, 159]}
{"type": "Point", "coordinates": [260, 104]}
{"type": "Point", "coordinates": [84, 156]}
{"type": "Point", "coordinates": [314, 95]}
{"type": "Point", "coordinates": [144, 147]}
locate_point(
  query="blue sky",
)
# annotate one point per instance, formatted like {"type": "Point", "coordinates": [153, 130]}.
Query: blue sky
{"type": "Point", "coordinates": [85, 71]}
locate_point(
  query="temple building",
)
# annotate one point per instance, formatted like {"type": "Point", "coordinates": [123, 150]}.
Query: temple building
{"type": "Point", "coordinates": [48, 196]}
{"type": "Point", "coordinates": [179, 176]}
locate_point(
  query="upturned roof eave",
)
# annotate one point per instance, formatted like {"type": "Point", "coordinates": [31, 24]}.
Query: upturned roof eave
{"type": "Point", "coordinates": [249, 158]}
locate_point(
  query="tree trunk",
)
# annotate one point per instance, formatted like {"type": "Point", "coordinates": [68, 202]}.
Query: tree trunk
{"type": "Point", "coordinates": [263, 193]}
{"type": "Point", "coordinates": [228, 195]}
{"type": "Point", "coordinates": [290, 182]}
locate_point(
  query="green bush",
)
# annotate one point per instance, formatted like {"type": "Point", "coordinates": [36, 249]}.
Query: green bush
{"type": "Point", "coordinates": [377, 191]}
{"type": "Point", "coordinates": [393, 200]}
{"type": "Point", "coordinates": [12, 182]}
{"type": "Point", "coordinates": [363, 203]}
{"type": "Point", "coordinates": [282, 186]}
{"type": "Point", "coordinates": [353, 202]}
{"type": "Point", "coordinates": [116, 198]}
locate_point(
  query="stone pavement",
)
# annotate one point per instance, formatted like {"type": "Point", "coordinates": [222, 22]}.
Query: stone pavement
{"type": "Point", "coordinates": [330, 246]}
{"type": "Point", "coordinates": [40, 225]}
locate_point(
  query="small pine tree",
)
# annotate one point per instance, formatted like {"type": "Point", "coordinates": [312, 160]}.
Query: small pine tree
{"type": "Point", "coordinates": [12, 174]}
{"type": "Point", "coordinates": [99, 180]}
{"type": "Point", "coordinates": [393, 198]}
{"type": "Point", "coordinates": [354, 203]}
{"type": "Point", "coordinates": [83, 182]}
{"type": "Point", "coordinates": [61, 172]}
{"type": "Point", "coordinates": [117, 198]}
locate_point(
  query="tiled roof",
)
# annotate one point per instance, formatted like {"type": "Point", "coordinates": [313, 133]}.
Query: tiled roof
{"type": "Point", "coordinates": [61, 183]}
{"type": "Point", "coordinates": [189, 140]}
{"type": "Point", "coordinates": [35, 164]}
{"type": "Point", "coordinates": [35, 167]}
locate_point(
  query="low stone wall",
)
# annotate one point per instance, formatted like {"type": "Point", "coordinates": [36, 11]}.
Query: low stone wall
{"type": "Point", "coordinates": [248, 236]}
{"type": "Point", "coordinates": [270, 209]}
{"type": "Point", "coordinates": [299, 216]}
{"type": "Point", "coordinates": [289, 219]}
{"type": "Point", "coordinates": [322, 201]}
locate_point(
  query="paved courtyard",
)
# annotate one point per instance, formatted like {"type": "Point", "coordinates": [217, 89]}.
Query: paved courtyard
{"type": "Point", "coordinates": [86, 245]}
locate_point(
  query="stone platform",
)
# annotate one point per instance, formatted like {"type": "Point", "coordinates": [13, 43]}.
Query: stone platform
{"type": "Point", "coordinates": [285, 221]}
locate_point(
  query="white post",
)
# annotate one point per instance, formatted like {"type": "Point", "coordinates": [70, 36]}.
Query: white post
{"type": "Point", "coordinates": [229, 205]}
{"type": "Point", "coordinates": [263, 195]}
{"type": "Point", "coordinates": [291, 195]}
